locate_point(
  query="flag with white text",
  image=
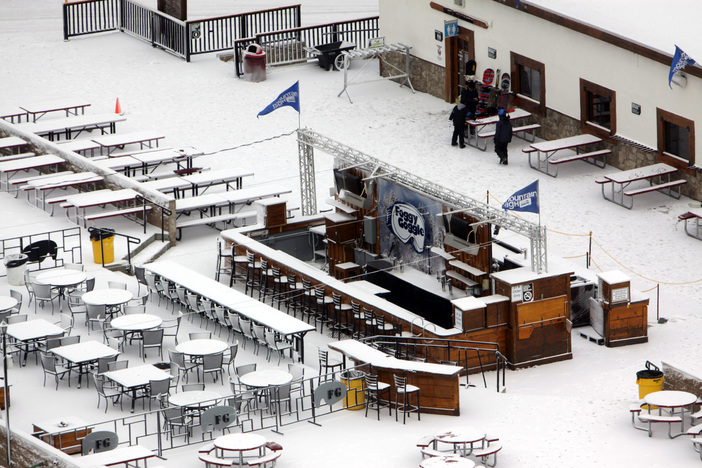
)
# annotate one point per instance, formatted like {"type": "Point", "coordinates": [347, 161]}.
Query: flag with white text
{"type": "Point", "coordinates": [526, 199]}
{"type": "Point", "coordinates": [680, 61]}
{"type": "Point", "coordinates": [289, 97]}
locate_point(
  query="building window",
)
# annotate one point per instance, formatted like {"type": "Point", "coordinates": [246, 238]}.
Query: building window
{"type": "Point", "coordinates": [676, 139]}
{"type": "Point", "coordinates": [528, 83]}
{"type": "Point", "coordinates": [598, 109]}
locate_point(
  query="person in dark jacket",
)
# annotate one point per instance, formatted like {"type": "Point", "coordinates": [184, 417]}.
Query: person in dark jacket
{"type": "Point", "coordinates": [503, 135]}
{"type": "Point", "coordinates": [469, 97]}
{"type": "Point", "coordinates": [459, 115]}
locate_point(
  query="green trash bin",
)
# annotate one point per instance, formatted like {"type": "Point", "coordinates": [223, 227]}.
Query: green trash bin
{"type": "Point", "coordinates": [355, 398]}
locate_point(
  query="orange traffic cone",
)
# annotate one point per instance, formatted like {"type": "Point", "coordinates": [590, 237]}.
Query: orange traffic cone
{"type": "Point", "coordinates": [118, 109]}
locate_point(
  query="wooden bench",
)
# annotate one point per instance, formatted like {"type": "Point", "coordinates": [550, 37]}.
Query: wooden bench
{"type": "Point", "coordinates": [527, 130]}
{"type": "Point", "coordinates": [12, 157]}
{"type": "Point", "coordinates": [212, 220]}
{"type": "Point", "coordinates": [271, 458]}
{"type": "Point", "coordinates": [460, 278]}
{"type": "Point", "coordinates": [112, 213]}
{"type": "Point", "coordinates": [602, 154]}
{"type": "Point", "coordinates": [667, 186]}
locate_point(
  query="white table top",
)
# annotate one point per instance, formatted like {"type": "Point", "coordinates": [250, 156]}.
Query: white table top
{"type": "Point", "coordinates": [30, 163]}
{"type": "Point", "coordinates": [63, 179]}
{"type": "Point", "coordinates": [62, 277]}
{"type": "Point", "coordinates": [368, 287]}
{"type": "Point", "coordinates": [221, 175]}
{"type": "Point", "coordinates": [101, 197]}
{"type": "Point", "coordinates": [137, 376]}
{"type": "Point", "coordinates": [565, 143]}
{"type": "Point", "coordinates": [201, 347]}
{"type": "Point", "coordinates": [516, 115]}
{"type": "Point", "coordinates": [170, 183]}
{"type": "Point", "coordinates": [55, 105]}
{"type": "Point", "coordinates": [136, 322]}
{"type": "Point", "coordinates": [119, 162]}
{"type": "Point", "coordinates": [166, 154]}
{"type": "Point", "coordinates": [64, 424]}
{"type": "Point", "coordinates": [118, 456]}
{"type": "Point", "coordinates": [78, 145]}
{"type": "Point", "coordinates": [230, 197]}
{"type": "Point", "coordinates": [460, 435]}
{"type": "Point", "coordinates": [194, 398]}
{"type": "Point", "coordinates": [84, 351]}
{"type": "Point", "coordinates": [230, 298]}
{"type": "Point", "coordinates": [33, 329]}
{"type": "Point", "coordinates": [670, 398]}
{"type": "Point", "coordinates": [7, 302]}
{"type": "Point", "coordinates": [9, 142]}
{"type": "Point", "coordinates": [239, 442]}
{"type": "Point", "coordinates": [119, 139]}
{"type": "Point", "coordinates": [447, 461]}
{"type": "Point", "coordinates": [70, 122]}
{"type": "Point", "coordinates": [108, 297]}
{"type": "Point", "coordinates": [640, 173]}
{"type": "Point", "coordinates": [266, 378]}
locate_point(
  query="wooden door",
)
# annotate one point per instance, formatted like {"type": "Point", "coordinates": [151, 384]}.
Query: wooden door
{"type": "Point", "coordinates": [459, 50]}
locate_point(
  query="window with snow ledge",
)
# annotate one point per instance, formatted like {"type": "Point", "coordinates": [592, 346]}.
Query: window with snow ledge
{"type": "Point", "coordinates": [676, 140]}
{"type": "Point", "coordinates": [598, 109]}
{"type": "Point", "coordinates": [528, 83]}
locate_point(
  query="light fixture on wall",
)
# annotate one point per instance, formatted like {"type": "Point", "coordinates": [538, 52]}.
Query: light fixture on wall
{"type": "Point", "coordinates": [679, 79]}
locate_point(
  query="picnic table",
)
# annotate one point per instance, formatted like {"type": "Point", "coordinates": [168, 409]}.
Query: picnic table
{"type": "Point", "coordinates": [12, 142]}
{"type": "Point", "coordinates": [478, 126]}
{"type": "Point", "coordinates": [81, 202]}
{"type": "Point", "coordinates": [145, 139]}
{"type": "Point", "coordinates": [40, 109]}
{"type": "Point", "coordinates": [693, 218]}
{"type": "Point", "coordinates": [550, 153]}
{"type": "Point", "coordinates": [127, 164]}
{"type": "Point", "coordinates": [42, 187]}
{"type": "Point", "coordinates": [211, 202]}
{"type": "Point", "coordinates": [657, 176]}
{"type": "Point", "coordinates": [71, 127]}
{"type": "Point", "coordinates": [80, 146]}
{"type": "Point", "coordinates": [8, 169]}
{"type": "Point", "coordinates": [205, 180]}
{"type": "Point", "coordinates": [153, 158]}
{"type": "Point", "coordinates": [11, 112]}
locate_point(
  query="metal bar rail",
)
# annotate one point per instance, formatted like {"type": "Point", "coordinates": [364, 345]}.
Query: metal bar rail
{"type": "Point", "coordinates": [68, 247]}
{"type": "Point", "coordinates": [105, 232]}
{"type": "Point", "coordinates": [165, 212]}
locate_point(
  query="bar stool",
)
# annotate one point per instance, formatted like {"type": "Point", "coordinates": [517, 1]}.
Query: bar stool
{"type": "Point", "coordinates": [358, 320]}
{"type": "Point", "coordinates": [323, 302]}
{"type": "Point", "coordinates": [294, 290]}
{"type": "Point", "coordinates": [238, 267]}
{"type": "Point", "coordinates": [265, 289]}
{"type": "Point", "coordinates": [279, 289]}
{"type": "Point", "coordinates": [253, 270]}
{"type": "Point", "coordinates": [374, 391]}
{"type": "Point", "coordinates": [309, 302]}
{"type": "Point", "coordinates": [327, 365]}
{"type": "Point", "coordinates": [341, 313]}
{"type": "Point", "coordinates": [406, 390]}
{"type": "Point", "coordinates": [382, 328]}
{"type": "Point", "coordinates": [222, 259]}
{"type": "Point", "coordinates": [369, 322]}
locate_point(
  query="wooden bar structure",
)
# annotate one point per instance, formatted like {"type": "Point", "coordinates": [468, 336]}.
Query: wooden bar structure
{"type": "Point", "coordinates": [438, 383]}
{"type": "Point", "coordinates": [619, 314]}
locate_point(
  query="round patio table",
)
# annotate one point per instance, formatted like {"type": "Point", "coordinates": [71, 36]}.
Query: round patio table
{"type": "Point", "coordinates": [136, 322]}
{"type": "Point", "coordinates": [447, 461]}
{"type": "Point", "coordinates": [201, 347]}
{"type": "Point", "coordinates": [266, 378]}
{"type": "Point", "coordinates": [62, 278]}
{"type": "Point", "coordinates": [199, 399]}
{"type": "Point", "coordinates": [7, 303]}
{"type": "Point", "coordinates": [107, 297]}
{"type": "Point", "coordinates": [462, 437]}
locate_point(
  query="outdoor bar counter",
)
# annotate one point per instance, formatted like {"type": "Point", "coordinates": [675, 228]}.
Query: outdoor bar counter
{"type": "Point", "coordinates": [408, 320]}
{"type": "Point", "coordinates": [438, 383]}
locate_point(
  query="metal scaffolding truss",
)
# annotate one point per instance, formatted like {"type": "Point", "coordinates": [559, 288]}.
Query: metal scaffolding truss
{"type": "Point", "coordinates": [308, 139]}
{"type": "Point", "coordinates": [374, 52]}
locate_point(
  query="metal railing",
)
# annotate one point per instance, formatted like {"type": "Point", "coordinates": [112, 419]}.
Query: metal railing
{"type": "Point", "coordinates": [66, 247]}
{"type": "Point", "coordinates": [288, 46]}
{"type": "Point", "coordinates": [181, 38]}
{"type": "Point", "coordinates": [165, 212]}
{"type": "Point", "coordinates": [476, 357]}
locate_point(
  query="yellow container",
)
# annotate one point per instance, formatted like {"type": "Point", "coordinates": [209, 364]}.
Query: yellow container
{"type": "Point", "coordinates": [355, 398]}
{"type": "Point", "coordinates": [108, 250]}
{"type": "Point", "coordinates": [649, 384]}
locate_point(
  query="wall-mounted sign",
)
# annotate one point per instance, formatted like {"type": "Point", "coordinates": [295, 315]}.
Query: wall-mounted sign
{"type": "Point", "coordinates": [450, 28]}
{"type": "Point", "coordinates": [528, 292]}
{"type": "Point", "coordinates": [376, 42]}
{"type": "Point", "coordinates": [329, 392]}
{"type": "Point", "coordinates": [407, 223]}
{"type": "Point", "coordinates": [635, 108]}
{"type": "Point", "coordinates": [439, 53]}
{"type": "Point", "coordinates": [516, 293]}
{"type": "Point", "coordinates": [438, 35]}
{"type": "Point", "coordinates": [620, 295]}
{"type": "Point", "coordinates": [492, 53]}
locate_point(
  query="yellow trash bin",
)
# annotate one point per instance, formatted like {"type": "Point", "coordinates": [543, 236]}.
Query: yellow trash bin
{"type": "Point", "coordinates": [355, 398]}
{"type": "Point", "coordinates": [649, 380]}
{"type": "Point", "coordinates": [103, 246]}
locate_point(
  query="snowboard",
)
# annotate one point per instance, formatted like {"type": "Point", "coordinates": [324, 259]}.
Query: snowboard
{"type": "Point", "coordinates": [484, 91]}
{"type": "Point", "coordinates": [505, 83]}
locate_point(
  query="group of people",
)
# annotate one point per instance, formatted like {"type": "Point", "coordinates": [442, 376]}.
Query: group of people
{"type": "Point", "coordinates": [466, 109]}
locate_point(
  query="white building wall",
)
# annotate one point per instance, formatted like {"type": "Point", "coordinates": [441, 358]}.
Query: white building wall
{"type": "Point", "coordinates": [566, 54]}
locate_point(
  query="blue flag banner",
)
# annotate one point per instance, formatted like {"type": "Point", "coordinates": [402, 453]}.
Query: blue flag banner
{"type": "Point", "coordinates": [526, 199]}
{"type": "Point", "coordinates": [680, 60]}
{"type": "Point", "coordinates": [289, 97]}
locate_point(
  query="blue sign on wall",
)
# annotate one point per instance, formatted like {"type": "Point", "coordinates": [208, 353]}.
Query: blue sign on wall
{"type": "Point", "coordinates": [451, 28]}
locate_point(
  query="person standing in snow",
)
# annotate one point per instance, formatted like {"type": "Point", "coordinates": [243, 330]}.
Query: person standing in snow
{"type": "Point", "coordinates": [503, 135]}
{"type": "Point", "coordinates": [459, 115]}
{"type": "Point", "coordinates": [469, 97]}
